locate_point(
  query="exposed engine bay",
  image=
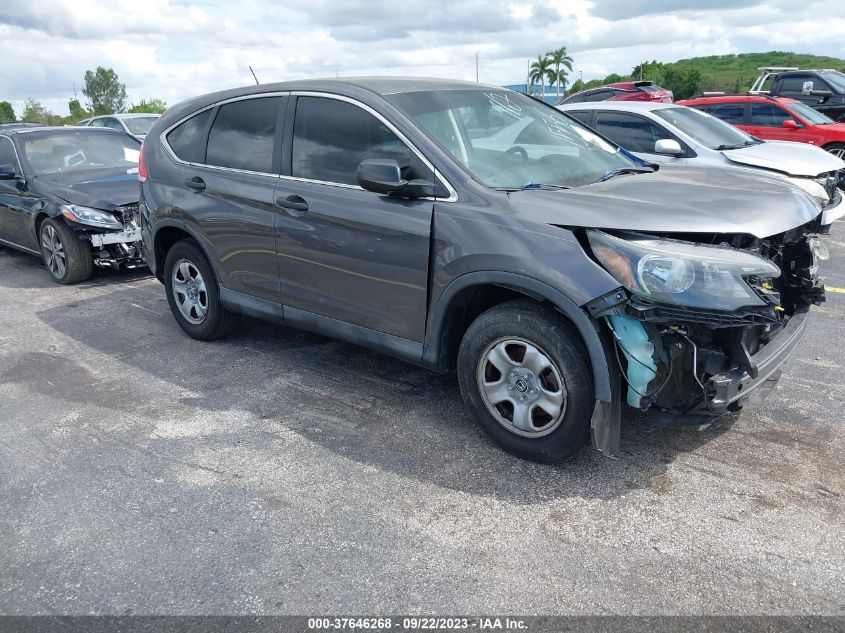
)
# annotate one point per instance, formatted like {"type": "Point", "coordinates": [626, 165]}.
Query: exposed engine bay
{"type": "Point", "coordinates": [683, 359]}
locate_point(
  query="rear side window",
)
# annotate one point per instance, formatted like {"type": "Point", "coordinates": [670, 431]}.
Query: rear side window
{"type": "Point", "coordinates": [585, 116]}
{"type": "Point", "coordinates": [188, 139]}
{"type": "Point", "coordinates": [244, 133]}
{"type": "Point", "coordinates": [632, 132]}
{"type": "Point", "coordinates": [331, 138]}
{"type": "Point", "coordinates": [7, 153]}
{"type": "Point", "coordinates": [733, 113]}
{"type": "Point", "coordinates": [768, 115]}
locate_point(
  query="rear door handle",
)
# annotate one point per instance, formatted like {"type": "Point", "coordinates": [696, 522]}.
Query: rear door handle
{"type": "Point", "coordinates": [196, 183]}
{"type": "Point", "coordinates": [293, 203]}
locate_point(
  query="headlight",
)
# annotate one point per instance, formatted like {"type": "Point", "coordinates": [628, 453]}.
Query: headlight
{"type": "Point", "coordinates": [91, 217]}
{"type": "Point", "coordinates": [682, 273]}
{"type": "Point", "coordinates": [813, 187]}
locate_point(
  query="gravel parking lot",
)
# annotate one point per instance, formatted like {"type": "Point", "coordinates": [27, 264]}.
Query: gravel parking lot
{"type": "Point", "coordinates": [142, 472]}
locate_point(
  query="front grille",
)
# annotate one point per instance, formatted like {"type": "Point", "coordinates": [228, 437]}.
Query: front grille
{"type": "Point", "coordinates": [713, 318]}
{"type": "Point", "coordinates": [128, 214]}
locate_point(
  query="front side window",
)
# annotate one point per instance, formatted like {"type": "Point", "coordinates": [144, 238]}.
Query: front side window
{"type": "Point", "coordinates": [244, 134]}
{"type": "Point", "coordinates": [113, 124]}
{"type": "Point", "coordinates": [813, 117]}
{"type": "Point", "coordinates": [332, 137]}
{"type": "Point", "coordinates": [835, 79]}
{"type": "Point", "coordinates": [768, 115]}
{"type": "Point", "coordinates": [77, 150]}
{"type": "Point", "coordinates": [795, 83]}
{"type": "Point", "coordinates": [187, 140]}
{"type": "Point", "coordinates": [585, 116]}
{"type": "Point", "coordinates": [705, 129]}
{"type": "Point", "coordinates": [634, 133]}
{"type": "Point", "coordinates": [515, 140]}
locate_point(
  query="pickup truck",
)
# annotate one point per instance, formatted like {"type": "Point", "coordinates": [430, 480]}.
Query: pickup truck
{"type": "Point", "coordinates": [821, 89]}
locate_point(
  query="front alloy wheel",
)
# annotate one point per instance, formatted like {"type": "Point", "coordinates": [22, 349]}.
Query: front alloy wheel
{"type": "Point", "coordinates": [53, 251]}
{"type": "Point", "coordinates": [189, 291]}
{"type": "Point", "coordinates": [521, 387]}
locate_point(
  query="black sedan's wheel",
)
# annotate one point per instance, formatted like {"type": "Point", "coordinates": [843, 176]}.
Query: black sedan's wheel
{"type": "Point", "coordinates": [523, 373]}
{"type": "Point", "coordinates": [193, 294]}
{"type": "Point", "coordinates": [67, 257]}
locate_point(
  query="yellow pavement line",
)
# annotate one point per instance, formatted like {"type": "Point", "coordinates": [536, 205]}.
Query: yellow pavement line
{"type": "Point", "coordinates": [835, 289]}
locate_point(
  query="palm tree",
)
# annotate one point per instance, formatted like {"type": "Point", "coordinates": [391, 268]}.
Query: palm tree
{"type": "Point", "coordinates": [539, 70]}
{"type": "Point", "coordinates": [559, 58]}
{"type": "Point", "coordinates": [559, 78]}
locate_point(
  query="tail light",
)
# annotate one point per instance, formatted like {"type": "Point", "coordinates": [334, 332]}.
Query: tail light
{"type": "Point", "coordinates": [142, 165]}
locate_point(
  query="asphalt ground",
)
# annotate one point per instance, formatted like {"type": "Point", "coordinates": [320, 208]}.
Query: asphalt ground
{"type": "Point", "coordinates": [281, 472]}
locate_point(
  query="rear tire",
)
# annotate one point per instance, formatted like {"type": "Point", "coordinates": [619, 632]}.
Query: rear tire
{"type": "Point", "coordinates": [837, 149]}
{"type": "Point", "coordinates": [524, 374]}
{"type": "Point", "coordinates": [67, 257]}
{"type": "Point", "coordinates": [193, 293]}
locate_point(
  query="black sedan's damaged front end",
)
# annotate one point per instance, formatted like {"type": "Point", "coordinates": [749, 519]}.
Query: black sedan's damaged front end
{"type": "Point", "coordinates": [114, 235]}
{"type": "Point", "coordinates": [704, 321]}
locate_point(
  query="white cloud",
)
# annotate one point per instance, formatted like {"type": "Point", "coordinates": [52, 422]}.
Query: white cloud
{"type": "Point", "coordinates": [174, 49]}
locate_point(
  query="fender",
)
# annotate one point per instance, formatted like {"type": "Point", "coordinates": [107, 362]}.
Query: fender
{"type": "Point", "coordinates": [434, 354]}
{"type": "Point", "coordinates": [203, 244]}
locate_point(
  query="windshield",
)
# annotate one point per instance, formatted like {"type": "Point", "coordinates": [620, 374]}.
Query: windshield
{"type": "Point", "coordinates": [507, 140]}
{"type": "Point", "coordinates": [836, 79]}
{"type": "Point", "coordinates": [808, 114]}
{"type": "Point", "coordinates": [705, 129]}
{"type": "Point", "coordinates": [77, 150]}
{"type": "Point", "coordinates": [140, 125]}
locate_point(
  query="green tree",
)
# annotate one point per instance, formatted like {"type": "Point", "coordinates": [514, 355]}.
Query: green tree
{"type": "Point", "coordinates": [577, 86]}
{"type": "Point", "coordinates": [558, 58]}
{"type": "Point", "coordinates": [153, 106]}
{"type": "Point", "coordinates": [540, 71]}
{"type": "Point", "coordinates": [105, 93]}
{"type": "Point", "coordinates": [35, 112]}
{"type": "Point", "coordinates": [7, 112]}
{"type": "Point", "coordinates": [77, 112]}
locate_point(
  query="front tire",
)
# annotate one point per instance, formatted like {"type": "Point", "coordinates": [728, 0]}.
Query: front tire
{"type": "Point", "coordinates": [68, 258]}
{"type": "Point", "coordinates": [524, 374]}
{"type": "Point", "coordinates": [193, 294]}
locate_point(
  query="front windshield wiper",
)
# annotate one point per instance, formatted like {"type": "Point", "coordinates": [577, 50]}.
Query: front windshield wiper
{"type": "Point", "coordinates": [610, 173]}
{"type": "Point", "coordinates": [534, 185]}
{"type": "Point", "coordinates": [738, 145]}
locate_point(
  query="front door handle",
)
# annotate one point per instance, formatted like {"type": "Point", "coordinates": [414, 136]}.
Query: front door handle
{"type": "Point", "coordinates": [293, 203]}
{"type": "Point", "coordinates": [196, 183]}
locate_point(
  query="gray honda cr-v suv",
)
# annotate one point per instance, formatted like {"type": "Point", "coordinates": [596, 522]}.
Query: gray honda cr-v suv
{"type": "Point", "coordinates": [466, 227]}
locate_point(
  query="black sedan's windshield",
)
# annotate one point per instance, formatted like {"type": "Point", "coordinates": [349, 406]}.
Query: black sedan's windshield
{"type": "Point", "coordinates": [507, 140]}
{"type": "Point", "coordinates": [69, 150]}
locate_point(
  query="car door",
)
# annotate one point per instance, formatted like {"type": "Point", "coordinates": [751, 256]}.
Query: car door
{"type": "Point", "coordinates": [345, 253]}
{"type": "Point", "coordinates": [12, 216]}
{"type": "Point", "coordinates": [766, 121]}
{"type": "Point", "coordinates": [230, 162]}
{"type": "Point", "coordinates": [637, 134]}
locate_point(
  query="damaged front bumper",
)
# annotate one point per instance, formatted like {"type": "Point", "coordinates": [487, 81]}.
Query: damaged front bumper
{"type": "Point", "coordinates": [763, 368]}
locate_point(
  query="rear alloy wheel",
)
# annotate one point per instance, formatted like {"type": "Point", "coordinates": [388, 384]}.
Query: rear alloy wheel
{"type": "Point", "coordinates": [193, 293]}
{"type": "Point", "coordinates": [524, 374]}
{"type": "Point", "coordinates": [67, 257]}
{"type": "Point", "coordinates": [837, 149]}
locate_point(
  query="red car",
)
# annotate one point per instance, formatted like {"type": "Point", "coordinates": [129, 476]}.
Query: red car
{"type": "Point", "coordinates": [623, 91]}
{"type": "Point", "coordinates": [775, 119]}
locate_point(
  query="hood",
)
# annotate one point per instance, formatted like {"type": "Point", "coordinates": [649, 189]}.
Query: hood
{"type": "Point", "coordinates": [795, 159]}
{"type": "Point", "coordinates": [96, 188]}
{"type": "Point", "coordinates": [679, 199]}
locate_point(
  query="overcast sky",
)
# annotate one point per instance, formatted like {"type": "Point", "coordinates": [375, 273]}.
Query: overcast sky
{"type": "Point", "coordinates": [174, 49]}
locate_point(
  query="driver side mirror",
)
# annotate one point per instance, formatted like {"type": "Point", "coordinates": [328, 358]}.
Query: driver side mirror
{"type": "Point", "coordinates": [668, 147]}
{"type": "Point", "coordinates": [385, 176]}
{"type": "Point", "coordinates": [790, 124]}
{"type": "Point", "coordinates": [7, 172]}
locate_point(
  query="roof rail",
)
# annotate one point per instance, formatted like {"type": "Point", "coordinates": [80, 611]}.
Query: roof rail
{"type": "Point", "coordinates": [777, 69]}
{"type": "Point", "coordinates": [713, 95]}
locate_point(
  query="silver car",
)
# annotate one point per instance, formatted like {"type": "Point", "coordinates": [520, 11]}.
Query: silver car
{"type": "Point", "coordinates": [134, 124]}
{"type": "Point", "coordinates": [666, 133]}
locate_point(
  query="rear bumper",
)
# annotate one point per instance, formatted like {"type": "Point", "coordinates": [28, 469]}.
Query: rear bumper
{"type": "Point", "coordinates": [728, 387]}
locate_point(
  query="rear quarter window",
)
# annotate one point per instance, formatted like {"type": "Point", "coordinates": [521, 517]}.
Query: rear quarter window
{"type": "Point", "coordinates": [187, 140]}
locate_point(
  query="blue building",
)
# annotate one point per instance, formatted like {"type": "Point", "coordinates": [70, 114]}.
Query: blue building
{"type": "Point", "coordinates": [550, 95]}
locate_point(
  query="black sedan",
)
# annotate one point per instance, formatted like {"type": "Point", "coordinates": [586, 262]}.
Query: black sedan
{"type": "Point", "coordinates": [70, 195]}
